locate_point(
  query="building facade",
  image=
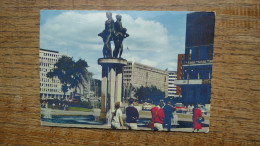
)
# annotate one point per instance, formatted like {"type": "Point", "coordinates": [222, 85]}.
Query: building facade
{"type": "Point", "coordinates": [50, 88]}
{"type": "Point", "coordinates": [195, 83]}
{"type": "Point", "coordinates": [179, 72]}
{"type": "Point", "coordinates": [137, 75]}
{"type": "Point", "coordinates": [172, 86]}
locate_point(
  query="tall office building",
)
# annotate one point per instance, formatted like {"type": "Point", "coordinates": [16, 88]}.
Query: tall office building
{"type": "Point", "coordinates": [137, 75]}
{"type": "Point", "coordinates": [197, 65]}
{"type": "Point", "coordinates": [50, 88]}
{"type": "Point", "coordinates": [172, 86]}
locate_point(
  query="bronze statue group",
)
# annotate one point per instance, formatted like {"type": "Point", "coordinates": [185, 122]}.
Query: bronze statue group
{"type": "Point", "coordinates": [114, 31]}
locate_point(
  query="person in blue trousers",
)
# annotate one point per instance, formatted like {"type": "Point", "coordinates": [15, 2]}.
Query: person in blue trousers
{"type": "Point", "coordinates": [168, 116]}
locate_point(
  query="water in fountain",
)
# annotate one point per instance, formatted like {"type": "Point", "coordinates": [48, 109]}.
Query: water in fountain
{"type": "Point", "coordinates": [96, 113]}
{"type": "Point", "coordinates": [47, 112]}
{"type": "Point", "coordinates": [109, 117]}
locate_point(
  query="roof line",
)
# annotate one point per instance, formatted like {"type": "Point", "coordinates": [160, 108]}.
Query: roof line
{"type": "Point", "coordinates": [49, 50]}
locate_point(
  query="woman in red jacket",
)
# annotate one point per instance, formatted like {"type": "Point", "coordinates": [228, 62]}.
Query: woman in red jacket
{"type": "Point", "coordinates": [157, 117]}
{"type": "Point", "coordinates": [196, 114]}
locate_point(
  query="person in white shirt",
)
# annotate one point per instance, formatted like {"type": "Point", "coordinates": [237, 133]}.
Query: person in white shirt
{"type": "Point", "coordinates": [117, 120]}
{"type": "Point", "coordinates": [192, 107]}
{"type": "Point", "coordinates": [189, 108]}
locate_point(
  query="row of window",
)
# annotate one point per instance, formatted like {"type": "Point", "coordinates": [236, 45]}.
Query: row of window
{"type": "Point", "coordinates": [45, 64]}
{"type": "Point", "coordinates": [173, 74]}
{"type": "Point", "coordinates": [204, 75]}
{"type": "Point", "coordinates": [201, 53]}
{"type": "Point", "coordinates": [43, 75]}
{"type": "Point", "coordinates": [170, 83]}
{"type": "Point", "coordinates": [127, 67]}
{"type": "Point", "coordinates": [50, 80]}
{"type": "Point", "coordinates": [127, 71]}
{"type": "Point", "coordinates": [48, 59]}
{"type": "Point", "coordinates": [51, 55]}
{"type": "Point", "coordinates": [50, 90]}
{"type": "Point", "coordinates": [127, 76]}
{"type": "Point", "coordinates": [48, 85]}
{"type": "Point", "coordinates": [54, 80]}
{"type": "Point", "coordinates": [44, 69]}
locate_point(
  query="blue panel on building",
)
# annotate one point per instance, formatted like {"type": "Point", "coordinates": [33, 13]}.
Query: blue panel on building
{"type": "Point", "coordinates": [200, 29]}
{"type": "Point", "coordinates": [196, 94]}
{"type": "Point", "coordinates": [197, 64]}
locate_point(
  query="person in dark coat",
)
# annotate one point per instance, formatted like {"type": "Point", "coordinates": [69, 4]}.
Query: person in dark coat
{"type": "Point", "coordinates": [168, 116]}
{"type": "Point", "coordinates": [132, 115]}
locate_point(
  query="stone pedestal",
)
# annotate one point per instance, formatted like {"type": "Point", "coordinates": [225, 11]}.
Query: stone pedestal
{"type": "Point", "coordinates": [111, 88]}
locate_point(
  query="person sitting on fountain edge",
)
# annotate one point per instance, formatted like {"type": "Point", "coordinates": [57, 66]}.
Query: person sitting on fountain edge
{"type": "Point", "coordinates": [132, 115]}
{"type": "Point", "coordinates": [157, 116]}
{"type": "Point", "coordinates": [117, 119]}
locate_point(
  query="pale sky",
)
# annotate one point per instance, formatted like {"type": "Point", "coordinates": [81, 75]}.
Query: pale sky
{"type": "Point", "coordinates": [156, 37]}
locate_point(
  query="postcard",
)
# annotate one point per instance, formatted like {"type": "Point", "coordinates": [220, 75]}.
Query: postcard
{"type": "Point", "coordinates": [126, 70]}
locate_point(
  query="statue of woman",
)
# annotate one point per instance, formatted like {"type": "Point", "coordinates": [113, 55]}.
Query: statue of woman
{"type": "Point", "coordinates": [107, 35]}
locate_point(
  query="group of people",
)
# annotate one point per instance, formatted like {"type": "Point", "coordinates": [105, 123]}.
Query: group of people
{"type": "Point", "coordinates": [132, 116]}
{"type": "Point", "coordinates": [114, 31]}
{"type": "Point", "coordinates": [60, 106]}
{"type": "Point", "coordinates": [190, 108]}
{"type": "Point", "coordinates": [161, 117]}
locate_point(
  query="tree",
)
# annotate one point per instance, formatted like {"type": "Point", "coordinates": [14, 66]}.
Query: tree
{"type": "Point", "coordinates": [69, 72]}
{"type": "Point", "coordinates": [79, 74]}
{"type": "Point", "coordinates": [96, 87]}
{"type": "Point", "coordinates": [145, 94]}
{"type": "Point", "coordinates": [128, 90]}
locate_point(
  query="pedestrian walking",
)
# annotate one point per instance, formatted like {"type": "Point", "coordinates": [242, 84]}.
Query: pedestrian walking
{"type": "Point", "coordinates": [168, 116]}
{"type": "Point", "coordinates": [196, 114]}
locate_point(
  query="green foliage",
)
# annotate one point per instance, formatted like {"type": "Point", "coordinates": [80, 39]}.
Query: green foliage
{"type": "Point", "coordinates": [147, 94]}
{"type": "Point", "coordinates": [86, 104]}
{"type": "Point", "coordinates": [69, 72]}
{"type": "Point", "coordinates": [79, 109]}
{"type": "Point", "coordinates": [128, 90]}
{"type": "Point", "coordinates": [99, 105]}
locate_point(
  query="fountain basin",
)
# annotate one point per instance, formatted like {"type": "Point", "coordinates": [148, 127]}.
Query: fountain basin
{"type": "Point", "coordinates": [90, 120]}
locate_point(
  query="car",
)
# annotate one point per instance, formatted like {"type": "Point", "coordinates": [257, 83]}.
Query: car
{"type": "Point", "coordinates": [180, 108]}
{"type": "Point", "coordinates": [146, 106]}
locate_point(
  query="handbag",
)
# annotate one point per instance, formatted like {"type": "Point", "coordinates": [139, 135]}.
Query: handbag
{"type": "Point", "coordinates": [150, 124]}
{"type": "Point", "coordinates": [200, 119]}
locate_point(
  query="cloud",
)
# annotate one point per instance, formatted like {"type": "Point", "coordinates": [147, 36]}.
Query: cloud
{"type": "Point", "coordinates": [75, 33]}
{"type": "Point", "coordinates": [149, 62]}
{"type": "Point", "coordinates": [146, 35]}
